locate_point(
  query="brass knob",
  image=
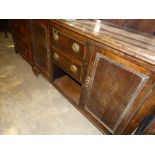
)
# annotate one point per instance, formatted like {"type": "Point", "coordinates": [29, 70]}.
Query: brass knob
{"type": "Point", "coordinates": [55, 35]}
{"type": "Point", "coordinates": [76, 47]}
{"type": "Point", "coordinates": [73, 68]}
{"type": "Point", "coordinates": [56, 56]}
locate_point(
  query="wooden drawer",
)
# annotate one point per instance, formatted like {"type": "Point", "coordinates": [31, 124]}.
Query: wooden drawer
{"type": "Point", "coordinates": [72, 67]}
{"type": "Point", "coordinates": [67, 44]}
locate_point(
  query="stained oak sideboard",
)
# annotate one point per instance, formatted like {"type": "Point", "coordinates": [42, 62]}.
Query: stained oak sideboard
{"type": "Point", "coordinates": [107, 72]}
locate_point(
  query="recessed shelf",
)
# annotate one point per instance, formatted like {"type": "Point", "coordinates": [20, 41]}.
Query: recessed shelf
{"type": "Point", "coordinates": [70, 88]}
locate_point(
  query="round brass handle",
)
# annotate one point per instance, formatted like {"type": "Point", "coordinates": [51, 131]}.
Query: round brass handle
{"type": "Point", "coordinates": [55, 35]}
{"type": "Point", "coordinates": [73, 68]}
{"type": "Point", "coordinates": [56, 56]}
{"type": "Point", "coordinates": [76, 47]}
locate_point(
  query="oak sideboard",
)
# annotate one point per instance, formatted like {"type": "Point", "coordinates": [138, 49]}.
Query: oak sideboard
{"type": "Point", "coordinates": [106, 71]}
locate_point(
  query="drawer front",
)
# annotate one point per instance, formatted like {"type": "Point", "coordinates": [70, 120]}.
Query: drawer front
{"type": "Point", "coordinates": [67, 44]}
{"type": "Point", "coordinates": [72, 67]}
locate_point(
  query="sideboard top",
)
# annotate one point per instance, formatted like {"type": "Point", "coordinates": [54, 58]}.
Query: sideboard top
{"type": "Point", "coordinates": [136, 44]}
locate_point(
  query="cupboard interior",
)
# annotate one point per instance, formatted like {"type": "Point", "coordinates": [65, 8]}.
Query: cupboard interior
{"type": "Point", "coordinates": [66, 84]}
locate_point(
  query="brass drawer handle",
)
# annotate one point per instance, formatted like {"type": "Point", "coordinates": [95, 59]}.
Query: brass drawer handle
{"type": "Point", "coordinates": [76, 47]}
{"type": "Point", "coordinates": [55, 35]}
{"type": "Point", "coordinates": [73, 68]}
{"type": "Point", "coordinates": [56, 56]}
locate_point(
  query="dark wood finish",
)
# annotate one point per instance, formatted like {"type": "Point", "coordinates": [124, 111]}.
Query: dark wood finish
{"type": "Point", "coordinates": [65, 62]}
{"type": "Point", "coordinates": [41, 49]}
{"type": "Point", "coordinates": [65, 43]}
{"type": "Point", "coordinates": [144, 110]}
{"type": "Point", "coordinates": [127, 41]}
{"type": "Point", "coordinates": [114, 89]}
{"type": "Point", "coordinates": [120, 22]}
{"type": "Point", "coordinates": [69, 88]}
{"type": "Point", "coordinates": [142, 25]}
{"type": "Point", "coordinates": [64, 47]}
{"type": "Point", "coordinates": [21, 30]}
{"type": "Point", "coordinates": [114, 85]}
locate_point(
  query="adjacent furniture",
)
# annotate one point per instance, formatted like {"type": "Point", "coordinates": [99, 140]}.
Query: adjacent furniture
{"type": "Point", "coordinates": [107, 72]}
{"type": "Point", "coordinates": [142, 25]}
{"type": "Point", "coordinates": [21, 32]}
{"type": "Point", "coordinates": [4, 26]}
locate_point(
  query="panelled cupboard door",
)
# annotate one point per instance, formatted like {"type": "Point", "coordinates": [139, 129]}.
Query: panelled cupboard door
{"type": "Point", "coordinates": [113, 93]}
{"type": "Point", "coordinates": [40, 45]}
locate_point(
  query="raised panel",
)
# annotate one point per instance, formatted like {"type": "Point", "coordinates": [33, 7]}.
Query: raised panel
{"type": "Point", "coordinates": [40, 44]}
{"type": "Point", "coordinates": [112, 91]}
